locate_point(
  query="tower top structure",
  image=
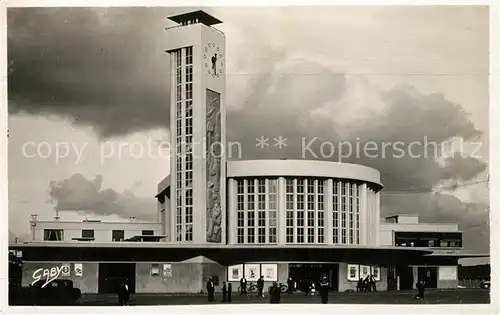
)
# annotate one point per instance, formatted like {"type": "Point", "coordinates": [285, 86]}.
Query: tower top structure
{"type": "Point", "coordinates": [195, 17]}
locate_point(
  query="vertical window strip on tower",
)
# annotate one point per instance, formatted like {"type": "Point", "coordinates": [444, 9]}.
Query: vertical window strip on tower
{"type": "Point", "coordinates": [188, 140]}
{"type": "Point", "coordinates": [179, 140]}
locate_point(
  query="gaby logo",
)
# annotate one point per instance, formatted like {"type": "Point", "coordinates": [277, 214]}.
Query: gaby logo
{"type": "Point", "coordinates": [49, 274]}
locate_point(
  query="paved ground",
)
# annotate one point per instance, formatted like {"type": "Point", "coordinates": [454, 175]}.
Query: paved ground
{"type": "Point", "coordinates": [466, 296]}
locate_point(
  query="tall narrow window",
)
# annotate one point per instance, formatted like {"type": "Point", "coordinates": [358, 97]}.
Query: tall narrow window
{"type": "Point", "coordinates": [290, 210]}
{"type": "Point", "coordinates": [335, 212]}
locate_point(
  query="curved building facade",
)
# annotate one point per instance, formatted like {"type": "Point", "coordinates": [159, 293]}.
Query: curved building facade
{"type": "Point", "coordinates": [302, 202]}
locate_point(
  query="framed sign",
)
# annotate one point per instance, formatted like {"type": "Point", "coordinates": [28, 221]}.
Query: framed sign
{"type": "Point", "coordinates": [365, 271]}
{"type": "Point", "coordinates": [78, 270]}
{"type": "Point", "coordinates": [447, 273]}
{"type": "Point", "coordinates": [155, 270]}
{"type": "Point", "coordinates": [234, 273]}
{"type": "Point", "coordinates": [167, 271]}
{"type": "Point", "coordinates": [65, 270]}
{"type": "Point", "coordinates": [270, 272]}
{"type": "Point", "coordinates": [375, 271]}
{"type": "Point", "coordinates": [353, 272]}
{"type": "Point", "coordinates": [252, 272]}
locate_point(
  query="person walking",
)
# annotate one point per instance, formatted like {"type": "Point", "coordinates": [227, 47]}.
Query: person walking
{"type": "Point", "coordinates": [260, 287]}
{"type": "Point", "coordinates": [274, 293]}
{"type": "Point", "coordinates": [243, 286]}
{"type": "Point", "coordinates": [421, 289]}
{"type": "Point", "coordinates": [224, 292]}
{"type": "Point", "coordinates": [290, 285]}
{"type": "Point", "coordinates": [210, 290]}
{"type": "Point", "coordinates": [323, 290]}
{"type": "Point", "coordinates": [373, 283]}
{"type": "Point", "coordinates": [229, 291]}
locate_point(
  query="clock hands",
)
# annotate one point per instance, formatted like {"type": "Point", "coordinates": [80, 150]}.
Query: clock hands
{"type": "Point", "coordinates": [214, 63]}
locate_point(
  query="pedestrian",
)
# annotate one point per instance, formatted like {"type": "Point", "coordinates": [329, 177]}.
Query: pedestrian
{"type": "Point", "coordinates": [323, 290]}
{"type": "Point", "coordinates": [290, 284]}
{"type": "Point", "coordinates": [373, 283]}
{"type": "Point", "coordinates": [313, 288]}
{"type": "Point", "coordinates": [229, 291]}
{"type": "Point", "coordinates": [126, 294]}
{"type": "Point", "coordinates": [306, 286]}
{"type": "Point", "coordinates": [243, 286]}
{"type": "Point", "coordinates": [368, 286]}
{"type": "Point", "coordinates": [224, 292]}
{"type": "Point", "coordinates": [421, 289]}
{"type": "Point", "coordinates": [359, 286]}
{"type": "Point", "coordinates": [260, 287]}
{"type": "Point", "coordinates": [210, 290]}
{"type": "Point", "coordinates": [274, 293]}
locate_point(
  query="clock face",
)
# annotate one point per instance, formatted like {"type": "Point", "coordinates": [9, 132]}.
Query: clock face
{"type": "Point", "coordinates": [213, 60]}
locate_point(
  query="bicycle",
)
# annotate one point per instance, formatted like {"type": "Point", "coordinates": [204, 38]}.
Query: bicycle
{"type": "Point", "coordinates": [251, 288]}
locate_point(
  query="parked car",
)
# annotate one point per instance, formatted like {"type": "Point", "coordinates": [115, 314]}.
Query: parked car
{"type": "Point", "coordinates": [57, 292]}
{"type": "Point", "coordinates": [485, 284]}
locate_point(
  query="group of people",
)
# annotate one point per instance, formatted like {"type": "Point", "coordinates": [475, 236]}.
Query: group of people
{"type": "Point", "coordinates": [367, 285]}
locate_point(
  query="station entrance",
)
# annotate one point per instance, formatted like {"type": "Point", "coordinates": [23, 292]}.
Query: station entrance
{"type": "Point", "coordinates": [302, 273]}
{"type": "Point", "coordinates": [111, 275]}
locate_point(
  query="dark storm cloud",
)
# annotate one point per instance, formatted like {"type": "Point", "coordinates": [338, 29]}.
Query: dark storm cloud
{"type": "Point", "coordinates": [87, 196]}
{"type": "Point", "coordinates": [99, 67]}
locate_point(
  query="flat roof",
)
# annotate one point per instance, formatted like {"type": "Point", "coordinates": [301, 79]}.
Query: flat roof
{"type": "Point", "coordinates": [223, 254]}
{"type": "Point", "coordinates": [202, 16]}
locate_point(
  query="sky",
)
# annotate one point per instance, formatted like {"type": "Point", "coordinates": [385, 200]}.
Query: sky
{"type": "Point", "coordinates": [88, 90]}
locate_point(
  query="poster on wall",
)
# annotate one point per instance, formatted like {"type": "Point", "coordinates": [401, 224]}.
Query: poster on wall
{"type": "Point", "coordinates": [447, 273]}
{"type": "Point", "coordinates": [375, 272]}
{"type": "Point", "coordinates": [78, 270]}
{"type": "Point", "coordinates": [65, 270]}
{"type": "Point", "coordinates": [155, 270]}
{"type": "Point", "coordinates": [167, 270]}
{"type": "Point", "coordinates": [365, 271]}
{"type": "Point", "coordinates": [252, 272]}
{"type": "Point", "coordinates": [234, 273]}
{"type": "Point", "coordinates": [270, 272]}
{"type": "Point", "coordinates": [352, 272]}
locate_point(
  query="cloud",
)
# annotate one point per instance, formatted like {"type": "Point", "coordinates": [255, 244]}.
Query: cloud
{"type": "Point", "coordinates": [87, 196]}
{"type": "Point", "coordinates": [107, 69]}
{"type": "Point", "coordinates": [100, 67]}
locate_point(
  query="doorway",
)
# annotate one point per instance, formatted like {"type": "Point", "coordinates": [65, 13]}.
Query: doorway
{"type": "Point", "coordinates": [405, 274]}
{"type": "Point", "coordinates": [111, 274]}
{"type": "Point", "coordinates": [429, 274]}
{"type": "Point", "coordinates": [314, 272]}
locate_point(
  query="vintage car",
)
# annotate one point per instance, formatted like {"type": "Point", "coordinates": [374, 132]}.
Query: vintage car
{"type": "Point", "coordinates": [57, 292]}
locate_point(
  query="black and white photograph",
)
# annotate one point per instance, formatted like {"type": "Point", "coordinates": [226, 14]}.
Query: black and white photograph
{"type": "Point", "coordinates": [226, 156]}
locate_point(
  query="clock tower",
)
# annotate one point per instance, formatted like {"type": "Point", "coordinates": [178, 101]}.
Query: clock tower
{"type": "Point", "coordinates": [197, 129]}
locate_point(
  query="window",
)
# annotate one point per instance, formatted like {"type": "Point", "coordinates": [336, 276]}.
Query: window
{"type": "Point", "coordinates": [53, 235]}
{"type": "Point", "coordinates": [335, 212]}
{"type": "Point", "coordinates": [148, 232]}
{"type": "Point", "coordinates": [240, 197]}
{"type": "Point", "coordinates": [87, 233]}
{"type": "Point", "coordinates": [290, 210]}
{"type": "Point", "coordinates": [118, 235]}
